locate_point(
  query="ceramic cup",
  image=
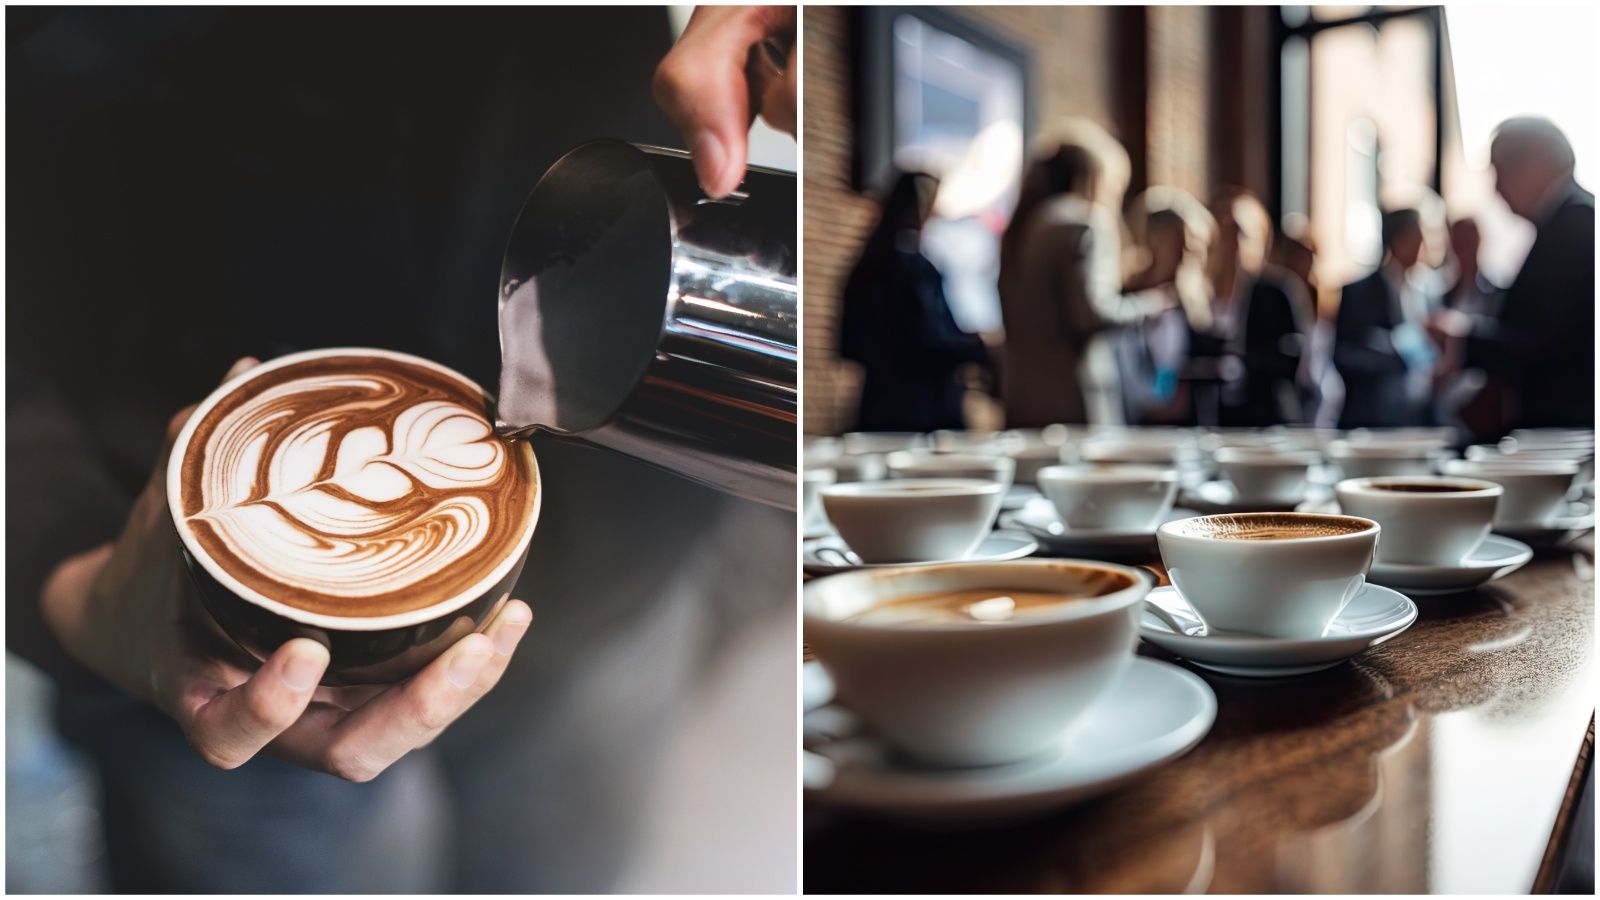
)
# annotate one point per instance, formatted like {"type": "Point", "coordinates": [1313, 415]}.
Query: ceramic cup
{"type": "Point", "coordinates": [1266, 475]}
{"type": "Point", "coordinates": [1513, 451]}
{"type": "Point", "coordinates": [1375, 459]}
{"type": "Point", "coordinates": [913, 519]}
{"type": "Point", "coordinates": [916, 464]}
{"type": "Point", "coordinates": [1281, 575]}
{"type": "Point", "coordinates": [881, 441]}
{"type": "Point", "coordinates": [1535, 490]}
{"type": "Point", "coordinates": [361, 649]}
{"type": "Point", "coordinates": [814, 481]}
{"type": "Point", "coordinates": [977, 694]}
{"type": "Point", "coordinates": [1426, 520]}
{"type": "Point", "coordinates": [853, 467]}
{"type": "Point", "coordinates": [1110, 498]}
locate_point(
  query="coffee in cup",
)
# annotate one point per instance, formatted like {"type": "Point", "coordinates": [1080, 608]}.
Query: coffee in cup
{"type": "Point", "coordinates": [974, 664]}
{"type": "Point", "coordinates": [359, 497]}
{"type": "Point", "coordinates": [1426, 520]}
{"type": "Point", "coordinates": [913, 519]}
{"type": "Point", "coordinates": [1282, 575]}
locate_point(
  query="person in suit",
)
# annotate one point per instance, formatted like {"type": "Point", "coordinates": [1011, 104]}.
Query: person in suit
{"type": "Point", "coordinates": [1060, 276]}
{"type": "Point", "coordinates": [1263, 316]}
{"type": "Point", "coordinates": [1541, 346]}
{"type": "Point", "coordinates": [1376, 345]}
{"type": "Point", "coordinates": [897, 323]}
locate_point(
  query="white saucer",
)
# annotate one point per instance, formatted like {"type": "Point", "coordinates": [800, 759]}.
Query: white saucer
{"type": "Point", "coordinates": [1155, 714]}
{"type": "Point", "coordinates": [1041, 521]}
{"type": "Point", "coordinates": [827, 556]}
{"type": "Point", "coordinates": [1497, 557]}
{"type": "Point", "coordinates": [1375, 615]}
{"type": "Point", "coordinates": [1222, 497]}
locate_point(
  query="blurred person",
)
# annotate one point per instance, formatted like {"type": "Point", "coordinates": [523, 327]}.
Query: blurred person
{"type": "Point", "coordinates": [354, 198]}
{"type": "Point", "coordinates": [1172, 230]}
{"type": "Point", "coordinates": [1466, 398]}
{"type": "Point", "coordinates": [1380, 348]}
{"type": "Point", "coordinates": [1540, 347]}
{"type": "Point", "coordinates": [1060, 276]}
{"type": "Point", "coordinates": [1262, 316]}
{"type": "Point", "coordinates": [897, 323]}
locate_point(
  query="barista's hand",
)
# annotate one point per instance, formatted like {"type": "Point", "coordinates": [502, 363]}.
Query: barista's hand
{"type": "Point", "coordinates": [124, 610]}
{"type": "Point", "coordinates": [715, 81]}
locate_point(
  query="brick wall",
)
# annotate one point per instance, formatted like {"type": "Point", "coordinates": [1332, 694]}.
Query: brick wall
{"type": "Point", "coordinates": [1074, 74]}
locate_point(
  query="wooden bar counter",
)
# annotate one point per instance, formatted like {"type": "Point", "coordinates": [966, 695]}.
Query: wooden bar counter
{"type": "Point", "coordinates": [1444, 760]}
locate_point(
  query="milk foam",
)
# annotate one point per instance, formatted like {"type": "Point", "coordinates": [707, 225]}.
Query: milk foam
{"type": "Point", "coordinates": [366, 495]}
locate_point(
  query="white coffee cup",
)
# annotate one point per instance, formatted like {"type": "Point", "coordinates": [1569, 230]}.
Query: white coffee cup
{"type": "Point", "coordinates": [1426, 520]}
{"type": "Point", "coordinates": [913, 519]}
{"type": "Point", "coordinates": [1110, 498]}
{"type": "Point", "coordinates": [881, 441]}
{"type": "Point", "coordinates": [1240, 578]}
{"type": "Point", "coordinates": [853, 467]}
{"type": "Point", "coordinates": [976, 694]}
{"type": "Point", "coordinates": [1266, 474]}
{"type": "Point", "coordinates": [1376, 459]}
{"type": "Point", "coordinates": [919, 464]}
{"type": "Point", "coordinates": [814, 480]}
{"type": "Point", "coordinates": [1513, 451]}
{"type": "Point", "coordinates": [1535, 490]}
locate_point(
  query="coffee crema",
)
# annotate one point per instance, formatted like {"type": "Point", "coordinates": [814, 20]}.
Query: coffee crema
{"type": "Point", "coordinates": [1424, 488]}
{"type": "Point", "coordinates": [356, 485]}
{"type": "Point", "coordinates": [1268, 526]}
{"type": "Point", "coordinates": [994, 606]}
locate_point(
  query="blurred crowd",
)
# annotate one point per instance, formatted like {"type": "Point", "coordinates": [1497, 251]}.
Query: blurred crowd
{"type": "Point", "coordinates": [1175, 311]}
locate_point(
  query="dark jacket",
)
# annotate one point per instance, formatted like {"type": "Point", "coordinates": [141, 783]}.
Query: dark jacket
{"type": "Point", "coordinates": [1277, 317]}
{"type": "Point", "coordinates": [1373, 372]}
{"type": "Point", "coordinates": [1542, 349]}
{"type": "Point", "coordinates": [897, 324]}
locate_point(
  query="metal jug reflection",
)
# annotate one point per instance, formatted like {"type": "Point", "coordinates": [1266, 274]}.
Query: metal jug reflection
{"type": "Point", "coordinates": [640, 315]}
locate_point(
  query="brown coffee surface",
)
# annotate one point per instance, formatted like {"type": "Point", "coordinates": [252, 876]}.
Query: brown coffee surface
{"type": "Point", "coordinates": [1423, 488]}
{"type": "Point", "coordinates": [985, 606]}
{"type": "Point", "coordinates": [1269, 526]}
{"type": "Point", "coordinates": [355, 485]}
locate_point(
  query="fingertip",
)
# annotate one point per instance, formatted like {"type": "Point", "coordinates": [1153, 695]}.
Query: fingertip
{"type": "Point", "coordinates": [710, 154]}
{"type": "Point", "coordinates": [240, 366]}
{"type": "Point", "coordinates": [304, 662]}
{"type": "Point", "coordinates": [467, 660]}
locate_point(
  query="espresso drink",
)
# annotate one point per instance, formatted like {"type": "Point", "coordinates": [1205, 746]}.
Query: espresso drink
{"type": "Point", "coordinates": [356, 485]}
{"type": "Point", "coordinates": [992, 607]}
{"type": "Point", "coordinates": [1269, 526]}
{"type": "Point", "coordinates": [1421, 488]}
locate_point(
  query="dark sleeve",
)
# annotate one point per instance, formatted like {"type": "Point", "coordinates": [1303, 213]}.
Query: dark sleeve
{"type": "Point", "coordinates": [1272, 332]}
{"type": "Point", "coordinates": [1547, 315]}
{"type": "Point", "coordinates": [61, 500]}
{"type": "Point", "coordinates": [1353, 353]}
{"type": "Point", "coordinates": [936, 338]}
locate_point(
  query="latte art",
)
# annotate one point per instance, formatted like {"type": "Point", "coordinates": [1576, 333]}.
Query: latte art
{"type": "Point", "coordinates": [355, 486]}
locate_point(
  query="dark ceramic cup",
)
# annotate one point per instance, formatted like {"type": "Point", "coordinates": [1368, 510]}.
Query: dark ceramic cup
{"type": "Point", "coordinates": [362, 649]}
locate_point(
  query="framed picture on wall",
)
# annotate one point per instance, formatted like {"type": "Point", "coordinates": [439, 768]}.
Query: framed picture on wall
{"type": "Point", "coordinates": [941, 94]}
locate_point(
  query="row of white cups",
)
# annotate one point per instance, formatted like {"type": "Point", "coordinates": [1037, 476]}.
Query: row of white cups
{"type": "Point", "coordinates": [983, 722]}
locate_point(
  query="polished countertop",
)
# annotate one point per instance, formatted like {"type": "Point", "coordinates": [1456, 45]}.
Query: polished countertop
{"type": "Point", "coordinates": [1440, 761]}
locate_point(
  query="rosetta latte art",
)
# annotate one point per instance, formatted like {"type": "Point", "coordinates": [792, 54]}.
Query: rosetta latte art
{"type": "Point", "coordinates": [360, 491]}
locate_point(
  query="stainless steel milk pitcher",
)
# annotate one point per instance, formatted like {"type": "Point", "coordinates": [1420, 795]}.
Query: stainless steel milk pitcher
{"type": "Point", "coordinates": [641, 315]}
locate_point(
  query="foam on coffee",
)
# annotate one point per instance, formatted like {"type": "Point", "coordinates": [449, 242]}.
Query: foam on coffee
{"type": "Point", "coordinates": [1268, 526]}
{"type": "Point", "coordinates": [987, 606]}
{"type": "Point", "coordinates": [355, 486]}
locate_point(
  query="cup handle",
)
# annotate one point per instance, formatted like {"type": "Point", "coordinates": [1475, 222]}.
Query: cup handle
{"type": "Point", "coordinates": [1178, 626]}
